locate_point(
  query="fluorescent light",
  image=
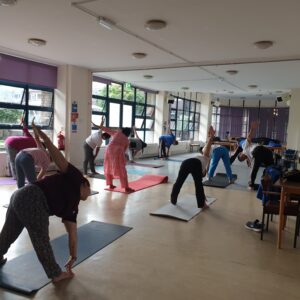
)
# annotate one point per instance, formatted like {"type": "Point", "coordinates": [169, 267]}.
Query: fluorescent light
{"type": "Point", "coordinates": [106, 23]}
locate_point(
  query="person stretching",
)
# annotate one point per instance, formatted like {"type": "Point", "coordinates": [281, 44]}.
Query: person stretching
{"type": "Point", "coordinates": [31, 206]}
{"type": "Point", "coordinates": [196, 166]}
{"type": "Point", "coordinates": [165, 143]}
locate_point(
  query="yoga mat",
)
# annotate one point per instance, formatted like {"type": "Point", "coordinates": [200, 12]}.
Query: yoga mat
{"type": "Point", "coordinates": [175, 160]}
{"type": "Point", "coordinates": [217, 181]}
{"type": "Point", "coordinates": [185, 209]}
{"type": "Point", "coordinates": [93, 193]}
{"type": "Point", "coordinates": [145, 165]}
{"type": "Point", "coordinates": [26, 275]}
{"type": "Point", "coordinates": [129, 170]}
{"type": "Point", "coordinates": [7, 181]}
{"type": "Point", "coordinates": [142, 183]}
{"type": "Point", "coordinates": [98, 176]}
{"type": "Point", "coordinates": [234, 176]}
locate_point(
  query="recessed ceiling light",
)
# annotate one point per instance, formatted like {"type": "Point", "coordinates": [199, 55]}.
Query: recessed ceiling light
{"type": "Point", "coordinates": [259, 95]}
{"type": "Point", "coordinates": [231, 92]}
{"type": "Point", "coordinates": [148, 76]}
{"type": "Point", "coordinates": [232, 72]}
{"type": "Point", "coordinates": [263, 44]}
{"type": "Point", "coordinates": [37, 42]}
{"type": "Point", "coordinates": [278, 92]}
{"type": "Point", "coordinates": [185, 88]}
{"type": "Point", "coordinates": [155, 24]}
{"type": "Point", "coordinates": [139, 55]}
{"type": "Point", "coordinates": [252, 86]}
{"type": "Point", "coordinates": [7, 2]}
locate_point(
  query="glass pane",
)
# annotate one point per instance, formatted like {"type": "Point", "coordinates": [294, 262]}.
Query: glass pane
{"type": "Point", "coordinates": [172, 125]}
{"type": "Point", "coordinates": [197, 117]}
{"type": "Point", "coordinates": [186, 105]}
{"type": "Point", "coordinates": [193, 105]}
{"type": "Point", "coordinates": [174, 104]}
{"type": "Point", "coordinates": [191, 135]}
{"type": "Point", "coordinates": [114, 115]}
{"type": "Point", "coordinates": [127, 115]}
{"type": "Point", "coordinates": [11, 94]}
{"type": "Point", "coordinates": [140, 134]}
{"type": "Point", "coordinates": [198, 107]}
{"type": "Point", "coordinates": [140, 96]}
{"type": "Point", "coordinates": [179, 115]}
{"type": "Point", "coordinates": [42, 118]}
{"type": "Point", "coordinates": [139, 122]}
{"type": "Point", "coordinates": [179, 126]}
{"type": "Point", "coordinates": [192, 115]}
{"type": "Point", "coordinates": [173, 113]}
{"type": "Point", "coordinates": [151, 98]}
{"type": "Point", "coordinates": [96, 119]}
{"type": "Point", "coordinates": [128, 92]}
{"type": "Point", "coordinates": [191, 126]}
{"type": "Point", "coordinates": [40, 98]}
{"type": "Point", "coordinates": [180, 104]}
{"type": "Point", "coordinates": [185, 136]}
{"type": "Point", "coordinates": [98, 105]}
{"type": "Point", "coordinates": [185, 125]}
{"type": "Point", "coordinates": [10, 116]}
{"type": "Point", "coordinates": [149, 123]}
{"type": "Point", "coordinates": [139, 110]}
{"type": "Point", "coordinates": [99, 89]}
{"type": "Point", "coordinates": [149, 137]}
{"type": "Point", "coordinates": [149, 111]}
{"type": "Point", "coordinates": [115, 91]}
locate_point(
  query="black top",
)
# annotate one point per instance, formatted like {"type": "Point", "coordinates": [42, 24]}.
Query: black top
{"type": "Point", "coordinates": [62, 192]}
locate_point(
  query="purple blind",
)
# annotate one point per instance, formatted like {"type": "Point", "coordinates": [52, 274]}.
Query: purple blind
{"type": "Point", "coordinates": [27, 72]}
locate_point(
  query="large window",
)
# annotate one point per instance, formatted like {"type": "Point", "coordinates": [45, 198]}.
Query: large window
{"type": "Point", "coordinates": [185, 118]}
{"type": "Point", "coordinates": [124, 106]}
{"type": "Point", "coordinates": [17, 101]}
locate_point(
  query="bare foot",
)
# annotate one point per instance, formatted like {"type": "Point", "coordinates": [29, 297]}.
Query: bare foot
{"type": "Point", "coordinates": [111, 186]}
{"type": "Point", "coordinates": [129, 190]}
{"type": "Point", "coordinates": [62, 276]}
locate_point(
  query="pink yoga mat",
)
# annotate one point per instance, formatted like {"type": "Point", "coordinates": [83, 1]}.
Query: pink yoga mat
{"type": "Point", "coordinates": [7, 181]}
{"type": "Point", "coordinates": [142, 183]}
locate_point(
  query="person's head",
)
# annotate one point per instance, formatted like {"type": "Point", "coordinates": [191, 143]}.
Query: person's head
{"type": "Point", "coordinates": [105, 136]}
{"type": "Point", "coordinates": [85, 189]}
{"type": "Point", "coordinates": [242, 157]}
{"type": "Point", "coordinates": [126, 131]}
{"type": "Point", "coordinates": [175, 142]}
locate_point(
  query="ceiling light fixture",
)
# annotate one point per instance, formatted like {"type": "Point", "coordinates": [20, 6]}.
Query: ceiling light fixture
{"type": "Point", "coordinates": [139, 55]}
{"type": "Point", "coordinates": [37, 42]}
{"type": "Point", "coordinates": [7, 2]}
{"type": "Point", "coordinates": [106, 23]}
{"type": "Point", "coordinates": [148, 76]}
{"type": "Point", "coordinates": [185, 88]}
{"type": "Point", "coordinates": [252, 86]}
{"type": "Point", "coordinates": [263, 44]}
{"type": "Point", "coordinates": [155, 24]}
{"type": "Point", "coordinates": [232, 72]}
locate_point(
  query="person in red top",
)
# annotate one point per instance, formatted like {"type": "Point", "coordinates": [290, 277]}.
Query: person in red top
{"type": "Point", "coordinates": [14, 144]}
{"type": "Point", "coordinates": [27, 159]}
{"type": "Point", "coordinates": [31, 206]}
{"type": "Point", "coordinates": [114, 157]}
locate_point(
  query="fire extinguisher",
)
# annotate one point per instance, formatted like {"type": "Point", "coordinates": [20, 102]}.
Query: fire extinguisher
{"type": "Point", "coordinates": [61, 141]}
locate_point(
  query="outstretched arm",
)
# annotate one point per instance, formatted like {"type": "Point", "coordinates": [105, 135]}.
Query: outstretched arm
{"type": "Point", "coordinates": [56, 155]}
{"type": "Point", "coordinates": [253, 126]}
{"type": "Point", "coordinates": [71, 228]}
{"type": "Point", "coordinates": [210, 139]}
{"type": "Point", "coordinates": [135, 133]}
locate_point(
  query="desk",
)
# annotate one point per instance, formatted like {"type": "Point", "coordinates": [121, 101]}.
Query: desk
{"type": "Point", "coordinates": [287, 189]}
{"type": "Point", "coordinates": [231, 144]}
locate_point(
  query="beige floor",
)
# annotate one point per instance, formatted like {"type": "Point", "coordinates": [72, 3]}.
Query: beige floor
{"type": "Point", "coordinates": [211, 257]}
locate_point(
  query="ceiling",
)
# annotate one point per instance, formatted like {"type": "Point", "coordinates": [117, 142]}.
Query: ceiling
{"type": "Point", "coordinates": [202, 40]}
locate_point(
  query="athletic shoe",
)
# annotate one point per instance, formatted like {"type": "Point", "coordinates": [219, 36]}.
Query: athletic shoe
{"type": "Point", "coordinates": [2, 261]}
{"type": "Point", "coordinates": [255, 226]}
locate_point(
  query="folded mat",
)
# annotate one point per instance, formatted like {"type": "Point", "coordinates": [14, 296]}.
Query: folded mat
{"type": "Point", "coordinates": [142, 183]}
{"type": "Point", "coordinates": [185, 209]}
{"type": "Point", "coordinates": [25, 274]}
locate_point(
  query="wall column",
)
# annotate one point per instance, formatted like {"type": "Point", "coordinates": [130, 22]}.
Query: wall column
{"type": "Point", "coordinates": [205, 117]}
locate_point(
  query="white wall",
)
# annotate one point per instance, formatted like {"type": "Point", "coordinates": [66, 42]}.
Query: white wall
{"type": "Point", "coordinates": [293, 132]}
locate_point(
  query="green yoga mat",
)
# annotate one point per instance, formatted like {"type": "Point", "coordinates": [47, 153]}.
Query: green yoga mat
{"type": "Point", "coordinates": [25, 274]}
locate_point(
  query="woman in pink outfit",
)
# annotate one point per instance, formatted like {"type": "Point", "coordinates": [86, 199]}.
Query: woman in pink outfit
{"type": "Point", "coordinates": [114, 157]}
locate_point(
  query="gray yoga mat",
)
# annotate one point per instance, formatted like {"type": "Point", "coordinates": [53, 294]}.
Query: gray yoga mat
{"type": "Point", "coordinates": [185, 209]}
{"type": "Point", "coordinates": [98, 176]}
{"type": "Point", "coordinates": [25, 274]}
{"type": "Point", "coordinates": [219, 181]}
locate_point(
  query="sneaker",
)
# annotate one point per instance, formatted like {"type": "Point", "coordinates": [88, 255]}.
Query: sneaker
{"type": "Point", "coordinates": [255, 225]}
{"type": "Point", "coordinates": [2, 261]}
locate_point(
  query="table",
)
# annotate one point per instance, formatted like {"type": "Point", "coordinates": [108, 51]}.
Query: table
{"type": "Point", "coordinates": [288, 188]}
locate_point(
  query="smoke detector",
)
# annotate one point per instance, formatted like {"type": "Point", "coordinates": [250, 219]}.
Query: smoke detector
{"type": "Point", "coordinates": [7, 2]}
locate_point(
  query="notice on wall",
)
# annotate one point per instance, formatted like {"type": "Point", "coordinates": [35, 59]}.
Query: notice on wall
{"type": "Point", "coordinates": [74, 116]}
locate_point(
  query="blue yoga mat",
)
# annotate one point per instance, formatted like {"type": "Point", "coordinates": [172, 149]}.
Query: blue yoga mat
{"type": "Point", "coordinates": [25, 274]}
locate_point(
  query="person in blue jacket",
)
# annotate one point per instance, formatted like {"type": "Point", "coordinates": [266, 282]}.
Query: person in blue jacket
{"type": "Point", "coordinates": [165, 143]}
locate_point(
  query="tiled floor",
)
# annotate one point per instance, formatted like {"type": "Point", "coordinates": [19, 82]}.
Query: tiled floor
{"type": "Point", "coordinates": [211, 257]}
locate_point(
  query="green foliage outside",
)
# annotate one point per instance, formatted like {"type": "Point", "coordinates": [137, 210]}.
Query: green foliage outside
{"type": "Point", "coordinates": [10, 116]}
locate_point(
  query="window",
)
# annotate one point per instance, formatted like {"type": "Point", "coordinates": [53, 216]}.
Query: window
{"type": "Point", "coordinates": [124, 106]}
{"type": "Point", "coordinates": [20, 100]}
{"type": "Point", "coordinates": [185, 118]}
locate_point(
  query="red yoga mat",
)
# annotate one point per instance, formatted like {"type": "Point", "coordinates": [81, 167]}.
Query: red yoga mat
{"type": "Point", "coordinates": [142, 183]}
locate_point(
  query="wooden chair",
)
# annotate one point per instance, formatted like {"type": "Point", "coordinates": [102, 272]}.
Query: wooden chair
{"type": "Point", "coordinates": [271, 204]}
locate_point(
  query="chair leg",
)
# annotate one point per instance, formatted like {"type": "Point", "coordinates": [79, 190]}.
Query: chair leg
{"type": "Point", "coordinates": [296, 231]}
{"type": "Point", "coordinates": [268, 217]}
{"type": "Point", "coordinates": [262, 227]}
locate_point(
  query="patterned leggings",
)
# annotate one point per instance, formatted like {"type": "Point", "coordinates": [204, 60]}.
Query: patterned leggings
{"type": "Point", "coordinates": [28, 208]}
